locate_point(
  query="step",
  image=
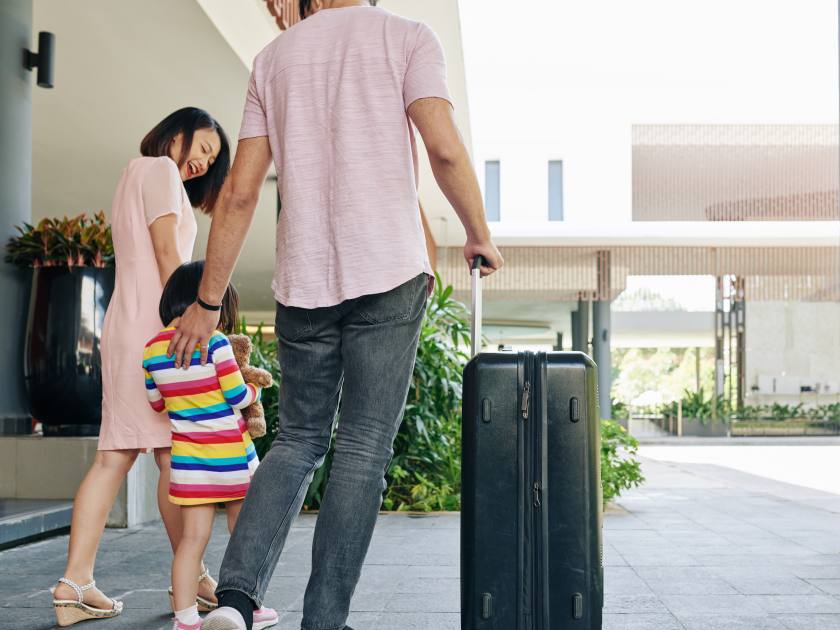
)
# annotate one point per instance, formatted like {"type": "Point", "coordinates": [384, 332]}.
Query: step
{"type": "Point", "coordinates": [23, 520]}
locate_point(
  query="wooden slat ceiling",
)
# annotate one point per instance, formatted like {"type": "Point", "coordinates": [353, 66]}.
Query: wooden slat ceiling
{"type": "Point", "coordinates": [569, 273]}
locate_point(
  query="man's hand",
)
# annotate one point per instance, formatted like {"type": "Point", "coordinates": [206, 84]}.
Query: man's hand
{"type": "Point", "coordinates": [194, 329]}
{"type": "Point", "coordinates": [493, 260]}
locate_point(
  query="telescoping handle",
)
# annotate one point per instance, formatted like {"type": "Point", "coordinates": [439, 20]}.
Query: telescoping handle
{"type": "Point", "coordinates": [475, 326]}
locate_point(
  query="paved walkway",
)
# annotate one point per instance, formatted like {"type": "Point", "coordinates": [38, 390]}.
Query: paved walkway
{"type": "Point", "coordinates": [699, 547]}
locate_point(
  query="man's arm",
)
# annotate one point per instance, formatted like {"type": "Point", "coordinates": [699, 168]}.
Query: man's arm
{"type": "Point", "coordinates": [232, 218]}
{"type": "Point", "coordinates": [455, 175]}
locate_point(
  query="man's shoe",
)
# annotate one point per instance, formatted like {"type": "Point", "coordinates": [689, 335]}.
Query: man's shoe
{"type": "Point", "coordinates": [224, 618]}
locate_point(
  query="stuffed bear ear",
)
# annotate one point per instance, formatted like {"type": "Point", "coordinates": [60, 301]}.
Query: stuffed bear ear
{"type": "Point", "coordinates": [241, 345]}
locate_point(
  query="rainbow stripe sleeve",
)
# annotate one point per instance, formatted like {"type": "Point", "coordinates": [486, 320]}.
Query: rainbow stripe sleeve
{"type": "Point", "coordinates": [155, 399]}
{"type": "Point", "coordinates": [237, 393]}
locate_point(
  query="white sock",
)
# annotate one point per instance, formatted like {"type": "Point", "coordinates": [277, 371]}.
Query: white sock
{"type": "Point", "coordinates": [188, 616]}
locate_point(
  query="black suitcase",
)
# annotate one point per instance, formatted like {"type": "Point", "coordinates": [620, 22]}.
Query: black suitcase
{"type": "Point", "coordinates": [531, 517]}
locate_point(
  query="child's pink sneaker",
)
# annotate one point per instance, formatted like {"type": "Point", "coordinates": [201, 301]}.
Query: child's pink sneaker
{"type": "Point", "coordinates": [186, 626]}
{"type": "Point", "coordinates": [265, 618]}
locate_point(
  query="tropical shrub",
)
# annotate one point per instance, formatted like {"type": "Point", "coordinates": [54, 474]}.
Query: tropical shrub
{"type": "Point", "coordinates": [264, 355]}
{"type": "Point", "coordinates": [80, 241]}
{"type": "Point", "coordinates": [784, 412]}
{"type": "Point", "coordinates": [620, 411]}
{"type": "Point", "coordinates": [698, 405]}
{"type": "Point", "coordinates": [425, 473]}
{"type": "Point", "coordinates": [620, 470]}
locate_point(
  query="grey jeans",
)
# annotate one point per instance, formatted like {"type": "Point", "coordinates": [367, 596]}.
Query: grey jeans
{"type": "Point", "coordinates": [361, 351]}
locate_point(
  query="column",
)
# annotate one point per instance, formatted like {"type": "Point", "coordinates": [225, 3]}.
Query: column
{"type": "Point", "coordinates": [720, 326]}
{"type": "Point", "coordinates": [601, 331]}
{"type": "Point", "coordinates": [15, 199]}
{"type": "Point", "coordinates": [741, 343]}
{"type": "Point", "coordinates": [601, 353]}
{"type": "Point", "coordinates": [580, 326]}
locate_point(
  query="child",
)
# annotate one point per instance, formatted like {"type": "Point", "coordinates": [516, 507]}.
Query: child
{"type": "Point", "coordinates": [213, 456]}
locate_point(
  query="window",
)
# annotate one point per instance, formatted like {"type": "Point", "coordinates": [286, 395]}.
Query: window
{"type": "Point", "coordinates": [555, 190]}
{"type": "Point", "coordinates": [492, 190]}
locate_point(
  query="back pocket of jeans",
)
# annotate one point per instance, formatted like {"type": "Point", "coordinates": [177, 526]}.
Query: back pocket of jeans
{"type": "Point", "coordinates": [291, 323]}
{"type": "Point", "coordinates": [398, 304]}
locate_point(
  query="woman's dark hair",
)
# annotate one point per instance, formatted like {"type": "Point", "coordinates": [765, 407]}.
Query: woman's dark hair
{"type": "Point", "coordinates": [202, 191]}
{"type": "Point", "coordinates": [181, 291]}
{"type": "Point", "coordinates": [305, 4]}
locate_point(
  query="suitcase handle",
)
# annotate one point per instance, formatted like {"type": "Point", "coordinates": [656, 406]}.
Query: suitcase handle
{"type": "Point", "coordinates": [475, 322]}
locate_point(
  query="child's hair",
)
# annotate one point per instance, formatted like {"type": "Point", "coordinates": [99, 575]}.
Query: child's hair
{"type": "Point", "coordinates": [181, 291]}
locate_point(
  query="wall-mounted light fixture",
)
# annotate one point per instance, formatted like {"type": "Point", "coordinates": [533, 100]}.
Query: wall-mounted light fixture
{"type": "Point", "coordinates": [43, 59]}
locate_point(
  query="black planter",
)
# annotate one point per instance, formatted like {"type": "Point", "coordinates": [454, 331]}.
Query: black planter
{"type": "Point", "coordinates": [62, 363]}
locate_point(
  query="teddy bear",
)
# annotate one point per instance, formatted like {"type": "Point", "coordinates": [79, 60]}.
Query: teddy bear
{"type": "Point", "coordinates": [254, 414]}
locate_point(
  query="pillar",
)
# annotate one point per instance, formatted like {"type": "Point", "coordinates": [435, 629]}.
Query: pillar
{"type": "Point", "coordinates": [720, 326]}
{"type": "Point", "coordinates": [741, 341]}
{"type": "Point", "coordinates": [15, 200]}
{"type": "Point", "coordinates": [697, 369]}
{"type": "Point", "coordinates": [580, 326]}
{"type": "Point", "coordinates": [601, 353]}
{"type": "Point", "coordinates": [601, 332]}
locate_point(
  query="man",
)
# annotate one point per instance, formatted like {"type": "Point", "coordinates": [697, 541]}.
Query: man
{"type": "Point", "coordinates": [328, 101]}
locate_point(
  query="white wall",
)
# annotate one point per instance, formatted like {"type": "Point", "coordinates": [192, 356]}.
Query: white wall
{"type": "Point", "coordinates": [559, 79]}
{"type": "Point", "coordinates": [796, 340]}
{"type": "Point", "coordinates": [118, 72]}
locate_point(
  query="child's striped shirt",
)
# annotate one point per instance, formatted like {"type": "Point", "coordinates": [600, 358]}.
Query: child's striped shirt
{"type": "Point", "coordinates": [213, 456]}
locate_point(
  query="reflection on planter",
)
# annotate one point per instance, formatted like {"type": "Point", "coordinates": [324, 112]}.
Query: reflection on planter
{"type": "Point", "coordinates": [62, 361]}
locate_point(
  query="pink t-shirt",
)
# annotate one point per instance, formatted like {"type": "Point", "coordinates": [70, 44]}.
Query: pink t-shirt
{"type": "Point", "coordinates": [331, 94]}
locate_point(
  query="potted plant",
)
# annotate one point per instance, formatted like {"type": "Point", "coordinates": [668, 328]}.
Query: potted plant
{"type": "Point", "coordinates": [72, 263]}
{"type": "Point", "coordinates": [702, 416]}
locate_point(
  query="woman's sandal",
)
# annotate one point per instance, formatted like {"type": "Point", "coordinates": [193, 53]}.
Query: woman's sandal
{"type": "Point", "coordinates": [68, 611]}
{"type": "Point", "coordinates": [204, 605]}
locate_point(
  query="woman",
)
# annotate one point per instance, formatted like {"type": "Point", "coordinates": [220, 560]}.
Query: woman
{"type": "Point", "coordinates": [186, 158]}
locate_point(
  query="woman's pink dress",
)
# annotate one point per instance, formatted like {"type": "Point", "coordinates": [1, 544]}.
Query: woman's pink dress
{"type": "Point", "coordinates": [150, 187]}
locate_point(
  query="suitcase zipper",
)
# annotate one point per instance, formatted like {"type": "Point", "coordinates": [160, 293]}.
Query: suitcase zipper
{"type": "Point", "coordinates": [526, 399]}
{"type": "Point", "coordinates": [539, 590]}
{"type": "Point", "coordinates": [526, 430]}
{"type": "Point", "coordinates": [537, 495]}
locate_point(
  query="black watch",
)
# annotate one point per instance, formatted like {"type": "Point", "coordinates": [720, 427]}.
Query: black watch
{"type": "Point", "coordinates": [206, 306]}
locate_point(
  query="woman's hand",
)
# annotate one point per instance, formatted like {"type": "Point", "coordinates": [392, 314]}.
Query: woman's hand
{"type": "Point", "coordinates": [195, 327]}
